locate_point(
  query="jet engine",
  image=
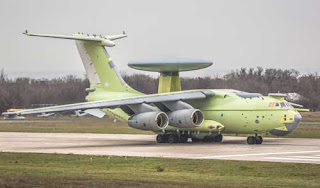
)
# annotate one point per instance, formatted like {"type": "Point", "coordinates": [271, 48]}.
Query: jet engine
{"type": "Point", "coordinates": [151, 121]}
{"type": "Point", "coordinates": [187, 118]}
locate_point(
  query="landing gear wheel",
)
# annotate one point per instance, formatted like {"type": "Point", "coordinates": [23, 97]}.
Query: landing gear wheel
{"type": "Point", "coordinates": [251, 140]}
{"type": "Point", "coordinates": [160, 138]}
{"type": "Point", "coordinates": [183, 138]}
{"type": "Point", "coordinates": [208, 139]}
{"type": "Point", "coordinates": [195, 139]}
{"type": "Point", "coordinates": [259, 140]}
{"type": "Point", "coordinates": [172, 138]}
{"type": "Point", "coordinates": [218, 138]}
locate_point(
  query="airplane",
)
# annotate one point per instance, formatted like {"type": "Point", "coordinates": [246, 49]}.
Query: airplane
{"type": "Point", "coordinates": [79, 113]}
{"type": "Point", "coordinates": [203, 115]}
{"type": "Point", "coordinates": [48, 114]}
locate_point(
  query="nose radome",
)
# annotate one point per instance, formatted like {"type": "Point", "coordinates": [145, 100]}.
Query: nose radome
{"type": "Point", "coordinates": [289, 126]}
{"type": "Point", "coordinates": [297, 118]}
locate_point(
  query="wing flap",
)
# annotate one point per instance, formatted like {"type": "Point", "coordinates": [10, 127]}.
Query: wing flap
{"type": "Point", "coordinates": [95, 112]}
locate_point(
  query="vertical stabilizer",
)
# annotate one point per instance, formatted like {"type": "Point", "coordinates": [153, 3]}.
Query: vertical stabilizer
{"type": "Point", "coordinates": [100, 69]}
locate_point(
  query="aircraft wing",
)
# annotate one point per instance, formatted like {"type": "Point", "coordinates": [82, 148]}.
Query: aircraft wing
{"type": "Point", "coordinates": [146, 99]}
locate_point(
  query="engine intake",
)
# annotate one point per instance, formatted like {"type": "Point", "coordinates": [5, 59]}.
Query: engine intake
{"type": "Point", "coordinates": [187, 118]}
{"type": "Point", "coordinates": [151, 121]}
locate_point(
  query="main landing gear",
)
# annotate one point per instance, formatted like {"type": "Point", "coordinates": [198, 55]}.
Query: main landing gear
{"type": "Point", "coordinates": [171, 138]}
{"type": "Point", "coordinates": [183, 138]}
{"type": "Point", "coordinates": [217, 138]}
{"type": "Point", "coordinates": [254, 140]}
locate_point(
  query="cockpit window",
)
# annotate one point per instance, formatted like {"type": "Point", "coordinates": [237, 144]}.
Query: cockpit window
{"type": "Point", "coordinates": [288, 105]}
{"type": "Point", "coordinates": [285, 105]}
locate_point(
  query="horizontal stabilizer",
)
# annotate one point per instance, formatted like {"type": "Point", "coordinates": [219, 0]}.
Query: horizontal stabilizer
{"type": "Point", "coordinates": [106, 40]}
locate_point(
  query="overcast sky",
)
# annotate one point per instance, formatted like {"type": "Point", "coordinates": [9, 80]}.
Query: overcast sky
{"type": "Point", "coordinates": [233, 34]}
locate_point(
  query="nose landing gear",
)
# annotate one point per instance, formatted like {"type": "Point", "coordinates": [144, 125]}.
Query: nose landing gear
{"type": "Point", "coordinates": [254, 140]}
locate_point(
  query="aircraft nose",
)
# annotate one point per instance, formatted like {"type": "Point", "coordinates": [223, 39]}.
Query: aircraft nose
{"type": "Point", "coordinates": [297, 118]}
{"type": "Point", "coordinates": [291, 126]}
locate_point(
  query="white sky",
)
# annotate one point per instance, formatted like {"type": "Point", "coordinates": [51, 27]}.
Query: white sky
{"type": "Point", "coordinates": [233, 34]}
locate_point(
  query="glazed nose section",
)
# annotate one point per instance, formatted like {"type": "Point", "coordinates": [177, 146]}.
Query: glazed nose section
{"type": "Point", "coordinates": [297, 118]}
{"type": "Point", "coordinates": [291, 126]}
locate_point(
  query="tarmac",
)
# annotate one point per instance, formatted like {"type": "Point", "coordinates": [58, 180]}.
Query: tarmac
{"type": "Point", "coordinates": [292, 150]}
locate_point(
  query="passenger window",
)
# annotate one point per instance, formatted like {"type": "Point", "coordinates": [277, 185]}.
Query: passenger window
{"type": "Point", "coordinates": [277, 105]}
{"type": "Point", "coordinates": [282, 105]}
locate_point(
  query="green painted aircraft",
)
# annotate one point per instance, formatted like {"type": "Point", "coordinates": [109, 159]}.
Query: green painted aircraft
{"type": "Point", "coordinates": [175, 115]}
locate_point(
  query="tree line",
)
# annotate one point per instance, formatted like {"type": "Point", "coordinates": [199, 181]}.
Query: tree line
{"type": "Point", "coordinates": [23, 92]}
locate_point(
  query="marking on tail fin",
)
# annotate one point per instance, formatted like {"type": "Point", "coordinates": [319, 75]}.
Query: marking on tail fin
{"type": "Point", "coordinates": [113, 66]}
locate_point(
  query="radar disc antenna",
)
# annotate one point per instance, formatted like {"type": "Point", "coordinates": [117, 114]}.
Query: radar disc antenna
{"type": "Point", "coordinates": [169, 68]}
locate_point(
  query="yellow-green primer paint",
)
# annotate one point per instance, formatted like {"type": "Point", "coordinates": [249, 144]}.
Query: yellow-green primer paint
{"type": "Point", "coordinates": [169, 82]}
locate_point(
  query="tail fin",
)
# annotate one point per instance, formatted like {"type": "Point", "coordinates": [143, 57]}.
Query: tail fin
{"type": "Point", "coordinates": [100, 69]}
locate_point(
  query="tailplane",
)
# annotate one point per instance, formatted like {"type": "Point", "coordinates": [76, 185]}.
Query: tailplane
{"type": "Point", "coordinates": [100, 69]}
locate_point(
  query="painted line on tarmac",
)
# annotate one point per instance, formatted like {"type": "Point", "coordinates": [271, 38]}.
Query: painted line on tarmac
{"type": "Point", "coordinates": [255, 154]}
{"type": "Point", "coordinates": [308, 157]}
{"type": "Point", "coordinates": [293, 159]}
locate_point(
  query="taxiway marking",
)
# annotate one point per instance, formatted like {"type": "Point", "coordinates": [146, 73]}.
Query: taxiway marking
{"type": "Point", "coordinates": [256, 154]}
{"type": "Point", "coordinates": [304, 157]}
{"type": "Point", "coordinates": [293, 159]}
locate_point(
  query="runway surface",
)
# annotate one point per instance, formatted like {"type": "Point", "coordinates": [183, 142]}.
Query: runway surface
{"type": "Point", "coordinates": [293, 150]}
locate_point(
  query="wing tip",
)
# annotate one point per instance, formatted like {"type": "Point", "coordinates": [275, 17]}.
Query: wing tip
{"type": "Point", "coordinates": [26, 32]}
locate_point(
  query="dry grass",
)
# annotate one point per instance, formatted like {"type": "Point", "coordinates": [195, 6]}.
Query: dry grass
{"type": "Point", "coordinates": [310, 116]}
{"type": "Point", "coordinates": [58, 170]}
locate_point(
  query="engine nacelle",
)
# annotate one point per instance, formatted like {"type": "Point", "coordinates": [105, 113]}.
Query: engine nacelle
{"type": "Point", "coordinates": [150, 121]}
{"type": "Point", "coordinates": [187, 118]}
